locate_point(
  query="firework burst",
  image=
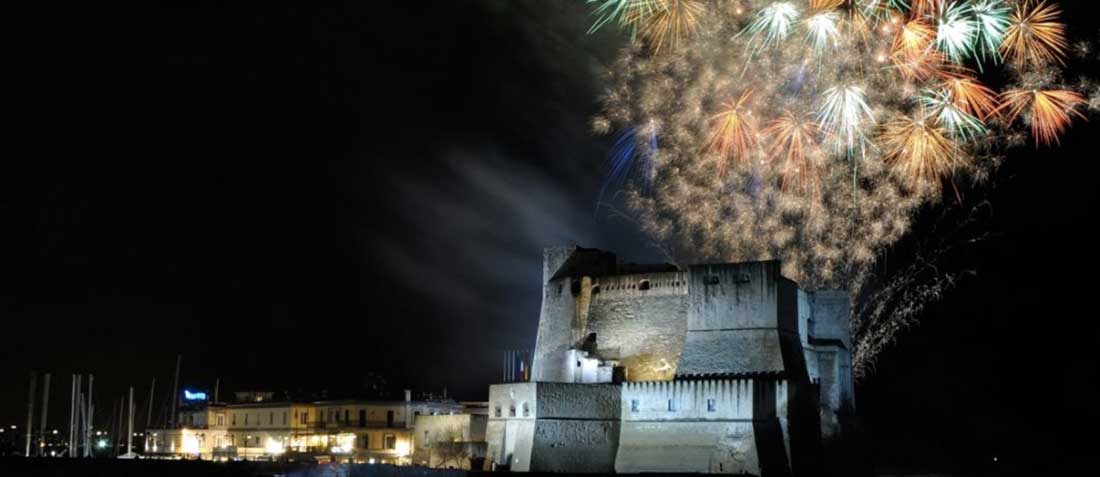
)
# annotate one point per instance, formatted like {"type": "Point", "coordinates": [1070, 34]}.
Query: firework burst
{"type": "Point", "coordinates": [960, 124]}
{"type": "Point", "coordinates": [822, 30]}
{"type": "Point", "coordinates": [626, 13]}
{"type": "Point", "coordinates": [878, 10]}
{"type": "Point", "coordinates": [1034, 36]}
{"type": "Point", "coordinates": [793, 142]}
{"type": "Point", "coordinates": [1049, 111]}
{"type": "Point", "coordinates": [843, 114]}
{"type": "Point", "coordinates": [993, 20]}
{"type": "Point", "coordinates": [918, 148]}
{"type": "Point", "coordinates": [970, 96]}
{"type": "Point", "coordinates": [671, 23]}
{"type": "Point", "coordinates": [774, 23]}
{"type": "Point", "coordinates": [733, 131]}
{"type": "Point", "coordinates": [957, 31]}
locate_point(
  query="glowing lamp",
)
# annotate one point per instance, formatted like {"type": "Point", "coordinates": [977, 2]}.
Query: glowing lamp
{"type": "Point", "coordinates": [402, 448]}
{"type": "Point", "coordinates": [190, 444]}
{"type": "Point", "coordinates": [274, 447]}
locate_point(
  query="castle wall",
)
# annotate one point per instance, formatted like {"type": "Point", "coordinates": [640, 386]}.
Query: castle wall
{"type": "Point", "coordinates": [577, 428]}
{"type": "Point", "coordinates": [554, 427]}
{"type": "Point", "coordinates": [639, 320]}
{"type": "Point", "coordinates": [642, 329]}
{"type": "Point", "coordinates": [712, 426]}
{"type": "Point", "coordinates": [555, 335]}
{"type": "Point", "coordinates": [742, 319]}
{"type": "Point", "coordinates": [510, 431]}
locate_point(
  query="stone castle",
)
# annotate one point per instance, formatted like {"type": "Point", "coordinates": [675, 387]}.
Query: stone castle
{"type": "Point", "coordinates": [720, 368]}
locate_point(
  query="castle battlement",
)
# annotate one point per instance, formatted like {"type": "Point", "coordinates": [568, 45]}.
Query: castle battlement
{"type": "Point", "coordinates": [640, 285]}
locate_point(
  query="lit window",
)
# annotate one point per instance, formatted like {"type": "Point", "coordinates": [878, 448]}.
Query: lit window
{"type": "Point", "coordinates": [390, 441]}
{"type": "Point", "coordinates": [711, 406]}
{"type": "Point", "coordinates": [633, 405]}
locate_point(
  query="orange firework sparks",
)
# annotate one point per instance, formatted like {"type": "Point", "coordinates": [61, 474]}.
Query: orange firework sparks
{"type": "Point", "coordinates": [926, 7]}
{"type": "Point", "coordinates": [792, 138]}
{"type": "Point", "coordinates": [733, 132]}
{"type": "Point", "coordinates": [823, 5]}
{"type": "Point", "coordinates": [970, 96]}
{"type": "Point", "coordinates": [920, 67]}
{"type": "Point", "coordinates": [1034, 36]}
{"type": "Point", "coordinates": [918, 149]}
{"type": "Point", "coordinates": [673, 21]}
{"type": "Point", "coordinates": [914, 38]}
{"type": "Point", "coordinates": [1051, 111]}
{"type": "Point", "coordinates": [912, 52]}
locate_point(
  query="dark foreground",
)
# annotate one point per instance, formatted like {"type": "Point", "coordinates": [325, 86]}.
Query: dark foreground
{"type": "Point", "coordinates": [19, 466]}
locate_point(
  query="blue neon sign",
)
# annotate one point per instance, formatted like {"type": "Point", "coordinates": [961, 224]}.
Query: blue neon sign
{"type": "Point", "coordinates": [194, 395]}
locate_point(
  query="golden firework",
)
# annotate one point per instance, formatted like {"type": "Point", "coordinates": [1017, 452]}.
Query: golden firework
{"type": "Point", "coordinates": [970, 96]}
{"type": "Point", "coordinates": [825, 5]}
{"type": "Point", "coordinates": [918, 149]}
{"type": "Point", "coordinates": [733, 131]}
{"type": "Point", "coordinates": [914, 38]}
{"type": "Point", "coordinates": [792, 141]}
{"type": "Point", "coordinates": [1050, 111]}
{"type": "Point", "coordinates": [922, 8]}
{"type": "Point", "coordinates": [671, 23]}
{"type": "Point", "coordinates": [1034, 36]}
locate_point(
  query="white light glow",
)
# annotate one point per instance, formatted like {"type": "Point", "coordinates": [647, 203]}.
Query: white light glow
{"type": "Point", "coordinates": [274, 447]}
{"type": "Point", "coordinates": [190, 444]}
{"type": "Point", "coordinates": [402, 448]}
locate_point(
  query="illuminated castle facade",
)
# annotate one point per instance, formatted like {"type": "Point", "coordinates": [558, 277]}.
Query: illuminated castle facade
{"type": "Point", "coordinates": [720, 368]}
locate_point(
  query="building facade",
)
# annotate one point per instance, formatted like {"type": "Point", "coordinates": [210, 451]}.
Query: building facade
{"type": "Point", "coordinates": [346, 430]}
{"type": "Point", "coordinates": [720, 368]}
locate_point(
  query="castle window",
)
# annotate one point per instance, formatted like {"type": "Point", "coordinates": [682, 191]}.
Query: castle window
{"type": "Point", "coordinates": [526, 410]}
{"type": "Point", "coordinates": [644, 285]}
{"type": "Point", "coordinates": [595, 289]}
{"type": "Point", "coordinates": [711, 407]}
{"type": "Point", "coordinates": [497, 411]}
{"type": "Point", "coordinates": [673, 406]}
{"type": "Point", "coordinates": [575, 288]}
{"type": "Point", "coordinates": [512, 411]}
{"type": "Point", "coordinates": [633, 405]}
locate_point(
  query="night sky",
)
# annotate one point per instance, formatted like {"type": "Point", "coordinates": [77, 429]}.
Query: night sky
{"type": "Point", "coordinates": [294, 196]}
